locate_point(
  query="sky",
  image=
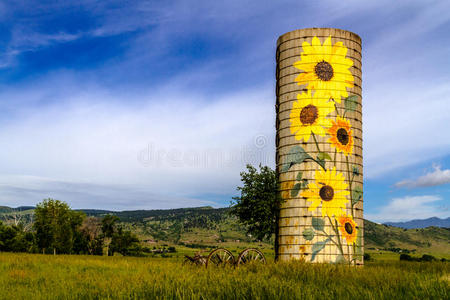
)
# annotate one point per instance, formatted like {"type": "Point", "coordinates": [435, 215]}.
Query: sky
{"type": "Point", "coordinates": [128, 105]}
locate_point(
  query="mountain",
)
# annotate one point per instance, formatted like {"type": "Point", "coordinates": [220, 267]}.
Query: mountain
{"type": "Point", "coordinates": [429, 240]}
{"type": "Point", "coordinates": [203, 227]}
{"type": "Point", "coordinates": [7, 209]}
{"type": "Point", "coordinates": [209, 226]}
{"type": "Point", "coordinates": [413, 224]}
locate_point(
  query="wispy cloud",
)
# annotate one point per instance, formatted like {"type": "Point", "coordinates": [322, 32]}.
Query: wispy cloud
{"type": "Point", "coordinates": [88, 195]}
{"type": "Point", "coordinates": [411, 130]}
{"type": "Point", "coordinates": [197, 78]}
{"type": "Point", "coordinates": [436, 177]}
{"type": "Point", "coordinates": [179, 146]}
{"type": "Point", "coordinates": [409, 208]}
{"type": "Point", "coordinates": [32, 40]}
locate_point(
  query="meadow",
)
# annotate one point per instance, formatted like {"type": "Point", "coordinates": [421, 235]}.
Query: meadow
{"type": "Point", "coordinates": [35, 276]}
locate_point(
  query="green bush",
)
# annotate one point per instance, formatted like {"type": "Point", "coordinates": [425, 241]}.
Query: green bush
{"type": "Point", "coordinates": [427, 258]}
{"type": "Point", "coordinates": [406, 257]}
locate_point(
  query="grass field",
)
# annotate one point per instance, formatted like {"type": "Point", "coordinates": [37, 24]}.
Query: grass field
{"type": "Point", "coordinates": [33, 276]}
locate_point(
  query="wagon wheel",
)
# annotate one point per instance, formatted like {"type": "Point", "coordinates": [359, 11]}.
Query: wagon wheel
{"type": "Point", "coordinates": [251, 255]}
{"type": "Point", "coordinates": [220, 257]}
{"type": "Point", "coordinates": [196, 260]}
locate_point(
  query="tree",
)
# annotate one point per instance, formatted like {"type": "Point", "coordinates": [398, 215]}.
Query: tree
{"type": "Point", "coordinates": [126, 243]}
{"type": "Point", "coordinates": [91, 237]}
{"type": "Point", "coordinates": [259, 203]}
{"type": "Point", "coordinates": [14, 239]}
{"type": "Point", "coordinates": [56, 225]}
{"type": "Point", "coordinates": [108, 229]}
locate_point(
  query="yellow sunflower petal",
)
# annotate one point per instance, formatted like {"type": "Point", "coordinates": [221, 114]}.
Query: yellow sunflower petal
{"type": "Point", "coordinates": [309, 114]}
{"type": "Point", "coordinates": [348, 228]}
{"type": "Point", "coordinates": [328, 179]}
{"type": "Point", "coordinates": [316, 44]}
{"type": "Point", "coordinates": [335, 55]}
{"type": "Point", "coordinates": [307, 47]}
{"type": "Point", "coordinates": [327, 48]}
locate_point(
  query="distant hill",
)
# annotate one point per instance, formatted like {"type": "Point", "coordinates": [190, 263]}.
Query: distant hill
{"type": "Point", "coordinates": [208, 227]}
{"type": "Point", "coordinates": [430, 239]}
{"type": "Point", "coordinates": [413, 224]}
{"type": "Point", "coordinates": [6, 209]}
{"type": "Point", "coordinates": [159, 214]}
{"type": "Point", "coordinates": [214, 226]}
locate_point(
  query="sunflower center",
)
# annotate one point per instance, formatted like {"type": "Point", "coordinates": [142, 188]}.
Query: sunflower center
{"type": "Point", "coordinates": [308, 115]}
{"type": "Point", "coordinates": [342, 136]}
{"type": "Point", "coordinates": [326, 193]}
{"type": "Point", "coordinates": [324, 71]}
{"type": "Point", "coordinates": [348, 228]}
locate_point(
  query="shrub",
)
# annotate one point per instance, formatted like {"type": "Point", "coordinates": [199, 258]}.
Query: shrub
{"type": "Point", "coordinates": [427, 258]}
{"type": "Point", "coordinates": [406, 257]}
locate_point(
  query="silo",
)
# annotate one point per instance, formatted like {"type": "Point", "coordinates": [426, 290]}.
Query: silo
{"type": "Point", "coordinates": [319, 146]}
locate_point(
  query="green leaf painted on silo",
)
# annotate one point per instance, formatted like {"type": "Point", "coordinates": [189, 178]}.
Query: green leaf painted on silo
{"type": "Point", "coordinates": [357, 194]}
{"type": "Point", "coordinates": [295, 190]}
{"type": "Point", "coordinates": [285, 167]}
{"type": "Point", "coordinates": [304, 183]}
{"type": "Point", "coordinates": [355, 171]}
{"type": "Point", "coordinates": [299, 176]}
{"type": "Point", "coordinates": [323, 156]}
{"type": "Point", "coordinates": [317, 247]}
{"type": "Point", "coordinates": [318, 223]}
{"type": "Point", "coordinates": [351, 102]}
{"type": "Point", "coordinates": [308, 234]}
{"type": "Point", "coordinates": [321, 162]}
{"type": "Point", "coordinates": [295, 156]}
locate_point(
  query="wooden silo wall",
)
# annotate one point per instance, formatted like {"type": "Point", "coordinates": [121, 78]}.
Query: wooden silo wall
{"type": "Point", "coordinates": [313, 230]}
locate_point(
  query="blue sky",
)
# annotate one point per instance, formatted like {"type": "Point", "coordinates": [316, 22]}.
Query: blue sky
{"type": "Point", "coordinates": [160, 104]}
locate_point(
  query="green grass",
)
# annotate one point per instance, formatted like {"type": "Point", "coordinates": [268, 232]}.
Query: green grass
{"type": "Point", "coordinates": [33, 276]}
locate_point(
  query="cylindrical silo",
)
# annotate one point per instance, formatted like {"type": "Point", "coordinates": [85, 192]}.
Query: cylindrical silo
{"type": "Point", "coordinates": [319, 146]}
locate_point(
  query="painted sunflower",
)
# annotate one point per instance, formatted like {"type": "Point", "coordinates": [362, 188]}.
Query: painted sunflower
{"type": "Point", "coordinates": [308, 114]}
{"type": "Point", "coordinates": [341, 135]}
{"type": "Point", "coordinates": [326, 68]}
{"type": "Point", "coordinates": [348, 228]}
{"type": "Point", "coordinates": [328, 189]}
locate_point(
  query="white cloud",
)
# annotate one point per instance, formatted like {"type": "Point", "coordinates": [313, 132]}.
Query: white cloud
{"type": "Point", "coordinates": [29, 190]}
{"type": "Point", "coordinates": [410, 208]}
{"type": "Point", "coordinates": [83, 134]}
{"type": "Point", "coordinates": [404, 127]}
{"type": "Point", "coordinates": [436, 177]}
{"type": "Point", "coordinates": [170, 145]}
{"type": "Point", "coordinates": [403, 113]}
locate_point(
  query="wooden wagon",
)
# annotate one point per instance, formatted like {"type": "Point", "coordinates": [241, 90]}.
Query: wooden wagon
{"type": "Point", "coordinates": [224, 257]}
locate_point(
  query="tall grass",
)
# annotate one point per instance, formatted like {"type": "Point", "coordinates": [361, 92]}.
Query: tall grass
{"type": "Point", "coordinates": [27, 276]}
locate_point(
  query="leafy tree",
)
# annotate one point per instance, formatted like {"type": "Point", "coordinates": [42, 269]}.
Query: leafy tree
{"type": "Point", "coordinates": [56, 225]}
{"type": "Point", "coordinates": [14, 239]}
{"type": "Point", "coordinates": [92, 239]}
{"type": "Point", "coordinates": [258, 205]}
{"type": "Point", "coordinates": [7, 237]}
{"type": "Point", "coordinates": [80, 243]}
{"type": "Point", "coordinates": [108, 229]}
{"type": "Point", "coordinates": [125, 243]}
